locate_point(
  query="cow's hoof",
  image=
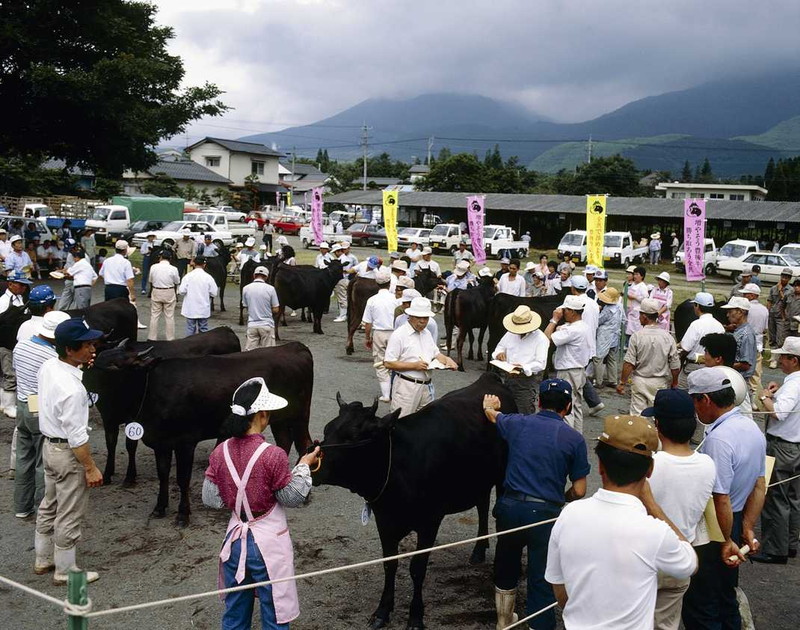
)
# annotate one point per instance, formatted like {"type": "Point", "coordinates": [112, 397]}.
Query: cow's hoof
{"type": "Point", "coordinates": [107, 479]}
{"type": "Point", "coordinates": [158, 513]}
{"type": "Point", "coordinates": [348, 351]}
{"type": "Point", "coordinates": [378, 622]}
{"type": "Point", "coordinates": [182, 521]}
{"type": "Point", "coordinates": [129, 483]}
{"type": "Point", "coordinates": [415, 625]}
{"type": "Point", "coordinates": [478, 556]}
{"type": "Point", "coordinates": [461, 368]}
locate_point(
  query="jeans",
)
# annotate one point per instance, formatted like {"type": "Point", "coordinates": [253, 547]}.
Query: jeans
{"type": "Point", "coordinates": [513, 513]}
{"type": "Point", "coordinates": [710, 602]}
{"type": "Point", "coordinates": [194, 326]}
{"type": "Point", "coordinates": [238, 613]}
{"type": "Point", "coordinates": [590, 394]}
{"type": "Point", "coordinates": [145, 271]}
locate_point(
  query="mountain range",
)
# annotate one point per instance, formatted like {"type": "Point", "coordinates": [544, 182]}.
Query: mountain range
{"type": "Point", "coordinates": [738, 124]}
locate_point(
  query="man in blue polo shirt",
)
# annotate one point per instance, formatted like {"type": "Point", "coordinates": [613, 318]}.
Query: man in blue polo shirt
{"type": "Point", "coordinates": [544, 452]}
{"type": "Point", "coordinates": [738, 449]}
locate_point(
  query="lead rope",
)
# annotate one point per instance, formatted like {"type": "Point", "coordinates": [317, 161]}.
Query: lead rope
{"type": "Point", "coordinates": [388, 471]}
{"type": "Point", "coordinates": [144, 394]}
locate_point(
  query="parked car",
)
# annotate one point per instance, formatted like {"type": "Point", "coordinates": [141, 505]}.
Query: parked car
{"type": "Point", "coordinates": [45, 233]}
{"type": "Point", "coordinates": [447, 236]}
{"type": "Point", "coordinates": [142, 226]}
{"type": "Point", "coordinates": [736, 249]}
{"type": "Point", "coordinates": [709, 258]}
{"type": "Point", "coordinates": [328, 234]}
{"type": "Point", "coordinates": [232, 213]}
{"type": "Point", "coordinates": [420, 236]}
{"type": "Point", "coordinates": [619, 248]}
{"type": "Point", "coordinates": [498, 241]}
{"type": "Point", "coordinates": [771, 265]}
{"type": "Point", "coordinates": [791, 249]}
{"type": "Point", "coordinates": [171, 233]}
{"type": "Point", "coordinates": [366, 235]}
{"type": "Point", "coordinates": [573, 244]}
{"type": "Point", "coordinates": [288, 224]}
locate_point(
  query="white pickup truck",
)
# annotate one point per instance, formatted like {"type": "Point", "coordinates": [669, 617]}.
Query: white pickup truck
{"type": "Point", "coordinates": [573, 245]}
{"type": "Point", "coordinates": [709, 258]}
{"type": "Point", "coordinates": [498, 241]}
{"type": "Point", "coordinates": [445, 237]}
{"type": "Point", "coordinates": [619, 248]}
{"type": "Point", "coordinates": [328, 234]}
{"type": "Point", "coordinates": [222, 222]}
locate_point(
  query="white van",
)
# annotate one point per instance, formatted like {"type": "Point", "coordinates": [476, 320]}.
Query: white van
{"type": "Point", "coordinates": [574, 244]}
{"type": "Point", "coordinates": [737, 248]}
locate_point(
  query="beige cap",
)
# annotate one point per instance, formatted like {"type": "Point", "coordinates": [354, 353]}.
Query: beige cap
{"type": "Point", "coordinates": [649, 306]}
{"type": "Point", "coordinates": [120, 244]}
{"type": "Point", "coordinates": [609, 296]}
{"type": "Point", "coordinates": [633, 434]}
{"type": "Point", "coordinates": [401, 265]}
{"type": "Point", "coordinates": [522, 320]}
{"type": "Point", "coordinates": [261, 271]}
{"type": "Point", "coordinates": [630, 269]}
{"type": "Point", "coordinates": [738, 302]}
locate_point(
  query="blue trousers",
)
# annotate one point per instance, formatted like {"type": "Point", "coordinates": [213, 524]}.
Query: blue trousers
{"type": "Point", "coordinates": [710, 602]}
{"type": "Point", "coordinates": [145, 271]}
{"type": "Point", "coordinates": [512, 513]}
{"type": "Point", "coordinates": [194, 326]}
{"type": "Point", "coordinates": [238, 613]}
{"type": "Point", "coordinates": [113, 291]}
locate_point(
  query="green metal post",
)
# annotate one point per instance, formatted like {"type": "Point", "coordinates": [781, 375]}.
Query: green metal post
{"type": "Point", "coordinates": [621, 349]}
{"type": "Point", "coordinates": [77, 593]}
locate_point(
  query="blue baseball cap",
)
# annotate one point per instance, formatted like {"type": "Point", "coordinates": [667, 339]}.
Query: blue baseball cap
{"type": "Point", "coordinates": [42, 295]}
{"type": "Point", "coordinates": [18, 276]}
{"type": "Point", "coordinates": [671, 404]}
{"type": "Point", "coordinates": [555, 384]}
{"type": "Point", "coordinates": [75, 329]}
{"type": "Point", "coordinates": [373, 262]}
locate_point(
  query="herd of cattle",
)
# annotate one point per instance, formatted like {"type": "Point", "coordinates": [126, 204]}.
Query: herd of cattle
{"type": "Point", "coordinates": [398, 467]}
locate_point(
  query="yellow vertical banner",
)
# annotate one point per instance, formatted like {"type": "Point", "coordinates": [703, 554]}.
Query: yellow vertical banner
{"type": "Point", "coordinates": [595, 229]}
{"type": "Point", "coordinates": [390, 203]}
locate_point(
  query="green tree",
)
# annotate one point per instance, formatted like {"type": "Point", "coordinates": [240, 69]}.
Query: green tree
{"type": "Point", "coordinates": [706, 174]}
{"type": "Point", "coordinates": [459, 173]}
{"type": "Point", "coordinates": [161, 185]}
{"type": "Point", "coordinates": [105, 188]}
{"type": "Point", "coordinates": [493, 158]}
{"type": "Point", "coordinates": [769, 173]}
{"type": "Point", "coordinates": [686, 173]}
{"type": "Point", "coordinates": [91, 82]}
{"type": "Point", "coordinates": [614, 175]}
{"type": "Point", "coordinates": [190, 192]}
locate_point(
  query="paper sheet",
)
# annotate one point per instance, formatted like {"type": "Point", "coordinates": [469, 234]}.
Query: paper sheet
{"type": "Point", "coordinates": [505, 366]}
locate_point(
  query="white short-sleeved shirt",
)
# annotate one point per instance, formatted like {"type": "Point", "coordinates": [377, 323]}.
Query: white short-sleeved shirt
{"type": "Point", "coordinates": [260, 298]}
{"type": "Point", "coordinates": [83, 275]}
{"type": "Point", "coordinates": [199, 287]}
{"type": "Point", "coordinates": [379, 310]}
{"type": "Point", "coordinates": [787, 403]}
{"type": "Point", "coordinates": [607, 553]}
{"type": "Point", "coordinates": [116, 270]}
{"type": "Point", "coordinates": [163, 275]}
{"type": "Point", "coordinates": [408, 345]}
{"type": "Point", "coordinates": [63, 403]}
{"type": "Point", "coordinates": [699, 328]}
{"type": "Point", "coordinates": [573, 347]}
{"type": "Point", "coordinates": [591, 317]}
{"type": "Point", "coordinates": [682, 487]}
{"type": "Point", "coordinates": [516, 286]}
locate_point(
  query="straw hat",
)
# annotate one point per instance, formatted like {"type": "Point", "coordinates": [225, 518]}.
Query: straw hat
{"type": "Point", "coordinates": [609, 296]}
{"type": "Point", "coordinates": [523, 320]}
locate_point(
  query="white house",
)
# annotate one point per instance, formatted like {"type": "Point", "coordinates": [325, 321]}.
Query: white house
{"type": "Point", "coordinates": [236, 160]}
{"type": "Point", "coordinates": [731, 192]}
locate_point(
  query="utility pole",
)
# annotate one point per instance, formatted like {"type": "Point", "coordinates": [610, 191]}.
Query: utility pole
{"type": "Point", "coordinates": [291, 190]}
{"type": "Point", "coordinates": [430, 148]}
{"type": "Point", "coordinates": [365, 144]}
{"type": "Point", "coordinates": [589, 151]}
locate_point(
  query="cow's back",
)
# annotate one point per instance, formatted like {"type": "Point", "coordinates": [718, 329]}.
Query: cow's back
{"type": "Point", "coordinates": [220, 340]}
{"type": "Point", "coordinates": [117, 318]}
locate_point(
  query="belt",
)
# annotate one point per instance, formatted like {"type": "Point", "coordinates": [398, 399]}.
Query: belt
{"type": "Point", "coordinates": [82, 286]}
{"type": "Point", "coordinates": [519, 496]}
{"type": "Point", "coordinates": [56, 440]}
{"type": "Point", "coordinates": [164, 288]}
{"type": "Point", "coordinates": [780, 439]}
{"type": "Point", "coordinates": [413, 380]}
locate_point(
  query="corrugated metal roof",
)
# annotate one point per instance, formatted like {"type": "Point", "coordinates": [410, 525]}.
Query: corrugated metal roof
{"type": "Point", "coordinates": [762, 211]}
{"type": "Point", "coordinates": [255, 148]}
{"type": "Point", "coordinates": [187, 170]}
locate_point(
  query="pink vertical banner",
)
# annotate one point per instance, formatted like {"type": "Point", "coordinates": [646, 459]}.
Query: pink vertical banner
{"type": "Point", "coordinates": [694, 233]}
{"type": "Point", "coordinates": [316, 214]}
{"type": "Point", "coordinates": [475, 215]}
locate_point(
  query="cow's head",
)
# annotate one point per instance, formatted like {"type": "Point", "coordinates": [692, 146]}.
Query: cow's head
{"type": "Point", "coordinates": [355, 448]}
{"type": "Point", "coordinates": [425, 281]}
{"type": "Point", "coordinates": [119, 358]}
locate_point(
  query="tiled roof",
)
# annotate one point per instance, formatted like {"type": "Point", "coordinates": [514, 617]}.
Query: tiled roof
{"type": "Point", "coordinates": [254, 148]}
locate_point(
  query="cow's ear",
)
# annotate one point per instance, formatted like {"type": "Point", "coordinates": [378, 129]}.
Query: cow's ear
{"type": "Point", "coordinates": [389, 422]}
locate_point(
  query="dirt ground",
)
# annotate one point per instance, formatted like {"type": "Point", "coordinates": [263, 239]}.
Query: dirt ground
{"type": "Point", "coordinates": [142, 559]}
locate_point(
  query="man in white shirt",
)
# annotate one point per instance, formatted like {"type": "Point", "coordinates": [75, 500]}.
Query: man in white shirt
{"type": "Point", "coordinates": [261, 301]}
{"type": "Point", "coordinates": [378, 322]}
{"type": "Point", "coordinates": [17, 284]}
{"type": "Point", "coordinates": [462, 253]}
{"type": "Point", "coordinates": [83, 277]}
{"type": "Point", "coordinates": [366, 268]}
{"type": "Point", "coordinates": [407, 296]}
{"type": "Point", "coordinates": [511, 282]}
{"type": "Point", "coordinates": [185, 249]}
{"type": "Point", "coordinates": [17, 260]}
{"type": "Point", "coordinates": [681, 483]}
{"type": "Point", "coordinates": [164, 280]}
{"type": "Point", "coordinates": [782, 506]}
{"type": "Point", "coordinates": [117, 273]}
{"type": "Point", "coordinates": [340, 290]}
{"type": "Point", "coordinates": [572, 352]}
{"type": "Point", "coordinates": [606, 552]}
{"type": "Point", "coordinates": [69, 470]}
{"type": "Point", "coordinates": [410, 350]}
{"type": "Point", "coordinates": [758, 318]}
{"type": "Point", "coordinates": [248, 252]}
{"type": "Point", "coordinates": [30, 353]}
{"type": "Point", "coordinates": [145, 249]}
{"type": "Point", "coordinates": [5, 246]}
{"type": "Point", "coordinates": [324, 257]}
{"type": "Point", "coordinates": [691, 348]}
{"type": "Point", "coordinates": [525, 347]}
{"type": "Point", "coordinates": [198, 287]}
{"type": "Point", "coordinates": [427, 253]}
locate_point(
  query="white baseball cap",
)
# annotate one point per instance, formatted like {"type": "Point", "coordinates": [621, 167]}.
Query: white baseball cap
{"type": "Point", "coordinates": [401, 265]}
{"type": "Point", "coordinates": [573, 302]}
{"type": "Point", "coordinates": [530, 266]}
{"type": "Point", "coordinates": [15, 238]}
{"type": "Point", "coordinates": [484, 272]}
{"type": "Point", "coordinates": [791, 345]}
{"type": "Point", "coordinates": [382, 277]}
{"type": "Point", "coordinates": [649, 306]}
{"type": "Point", "coordinates": [324, 245]}
{"type": "Point", "coordinates": [580, 283]}
{"type": "Point", "coordinates": [708, 380]}
{"type": "Point", "coordinates": [50, 321]}
{"type": "Point", "coordinates": [590, 269]}
{"type": "Point", "coordinates": [120, 244]}
{"type": "Point", "coordinates": [250, 241]}
{"type": "Point", "coordinates": [261, 270]}
{"type": "Point", "coordinates": [409, 295]}
{"type": "Point", "coordinates": [462, 267]}
{"type": "Point", "coordinates": [738, 302]}
{"type": "Point", "coordinates": [426, 251]}
{"type": "Point", "coordinates": [750, 287]}
{"type": "Point", "coordinates": [703, 299]}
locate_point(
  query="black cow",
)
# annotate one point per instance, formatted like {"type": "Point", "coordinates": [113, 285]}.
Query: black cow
{"type": "Point", "coordinates": [245, 278]}
{"type": "Point", "coordinates": [217, 268]}
{"type": "Point", "coordinates": [359, 290]}
{"type": "Point", "coordinates": [425, 281]}
{"type": "Point", "coordinates": [684, 316]}
{"type": "Point", "coordinates": [175, 403]}
{"type": "Point", "coordinates": [502, 304]}
{"type": "Point", "coordinates": [305, 286]}
{"type": "Point", "coordinates": [443, 459]}
{"type": "Point", "coordinates": [468, 309]}
{"type": "Point", "coordinates": [220, 340]}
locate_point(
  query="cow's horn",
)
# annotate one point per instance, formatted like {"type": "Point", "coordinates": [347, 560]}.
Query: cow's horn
{"type": "Point", "coordinates": [144, 353]}
{"type": "Point", "coordinates": [339, 400]}
{"type": "Point", "coordinates": [122, 343]}
{"type": "Point", "coordinates": [375, 405]}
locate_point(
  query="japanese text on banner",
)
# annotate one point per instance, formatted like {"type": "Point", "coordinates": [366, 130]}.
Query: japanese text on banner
{"type": "Point", "coordinates": [475, 218]}
{"type": "Point", "coordinates": [694, 233]}
{"type": "Point", "coordinates": [316, 215]}
{"type": "Point", "coordinates": [390, 204]}
{"type": "Point", "coordinates": [595, 229]}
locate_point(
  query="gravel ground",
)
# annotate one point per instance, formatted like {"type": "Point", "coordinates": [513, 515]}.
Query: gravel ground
{"type": "Point", "coordinates": [142, 559]}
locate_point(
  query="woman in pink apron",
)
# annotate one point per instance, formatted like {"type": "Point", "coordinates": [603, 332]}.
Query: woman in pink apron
{"type": "Point", "coordinates": [663, 295]}
{"type": "Point", "coordinates": [637, 291]}
{"type": "Point", "coordinates": [252, 478]}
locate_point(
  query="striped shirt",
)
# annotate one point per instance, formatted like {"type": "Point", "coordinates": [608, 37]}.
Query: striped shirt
{"type": "Point", "coordinates": [29, 355]}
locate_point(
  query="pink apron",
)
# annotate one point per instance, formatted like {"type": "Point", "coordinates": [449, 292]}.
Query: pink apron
{"type": "Point", "coordinates": [662, 297]}
{"type": "Point", "coordinates": [271, 535]}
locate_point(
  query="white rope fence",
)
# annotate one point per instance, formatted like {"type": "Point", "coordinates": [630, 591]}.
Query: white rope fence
{"type": "Point", "coordinates": [531, 616]}
{"type": "Point", "coordinates": [84, 611]}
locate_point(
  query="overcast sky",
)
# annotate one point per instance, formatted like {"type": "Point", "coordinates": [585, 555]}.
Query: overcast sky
{"type": "Point", "coordinates": [289, 62]}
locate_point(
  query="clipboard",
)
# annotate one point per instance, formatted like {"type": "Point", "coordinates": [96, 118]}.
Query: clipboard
{"type": "Point", "coordinates": [33, 403]}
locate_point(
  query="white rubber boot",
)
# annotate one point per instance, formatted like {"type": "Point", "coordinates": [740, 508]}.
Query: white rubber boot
{"type": "Point", "coordinates": [342, 315]}
{"type": "Point", "coordinates": [504, 602]}
{"type": "Point", "coordinates": [8, 400]}
{"type": "Point", "coordinates": [386, 391]}
{"type": "Point", "coordinates": [44, 554]}
{"type": "Point", "coordinates": [65, 562]}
